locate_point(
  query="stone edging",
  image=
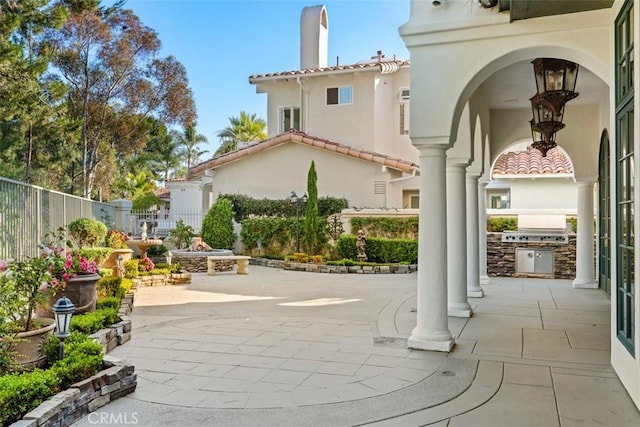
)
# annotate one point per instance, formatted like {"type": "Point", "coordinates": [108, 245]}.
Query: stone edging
{"type": "Point", "coordinates": [337, 269]}
{"type": "Point", "coordinates": [116, 380]}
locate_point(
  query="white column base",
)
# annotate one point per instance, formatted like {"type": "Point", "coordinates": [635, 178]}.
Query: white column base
{"type": "Point", "coordinates": [421, 341]}
{"type": "Point", "coordinates": [475, 292]}
{"type": "Point", "coordinates": [484, 280]}
{"type": "Point", "coordinates": [585, 284]}
{"type": "Point", "coordinates": [459, 312]}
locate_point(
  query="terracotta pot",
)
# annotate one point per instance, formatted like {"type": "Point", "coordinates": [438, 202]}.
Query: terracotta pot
{"type": "Point", "coordinates": [82, 292]}
{"type": "Point", "coordinates": [29, 346]}
{"type": "Point", "coordinates": [111, 262]}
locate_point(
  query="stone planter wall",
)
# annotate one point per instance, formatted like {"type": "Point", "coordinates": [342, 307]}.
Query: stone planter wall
{"type": "Point", "coordinates": [337, 269]}
{"type": "Point", "coordinates": [115, 380]}
{"type": "Point", "coordinates": [501, 257]}
{"type": "Point", "coordinates": [163, 280]}
{"type": "Point", "coordinates": [198, 264]}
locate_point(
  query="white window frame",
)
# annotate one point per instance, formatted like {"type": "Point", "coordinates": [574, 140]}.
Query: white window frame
{"type": "Point", "coordinates": [281, 125]}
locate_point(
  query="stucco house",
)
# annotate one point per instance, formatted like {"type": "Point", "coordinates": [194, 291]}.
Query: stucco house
{"type": "Point", "coordinates": [523, 181]}
{"type": "Point", "coordinates": [463, 118]}
{"type": "Point", "coordinates": [351, 120]}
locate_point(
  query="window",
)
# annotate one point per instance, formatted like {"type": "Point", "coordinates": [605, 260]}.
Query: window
{"type": "Point", "coordinates": [289, 119]}
{"type": "Point", "coordinates": [405, 95]}
{"type": "Point", "coordinates": [339, 95]}
{"type": "Point", "coordinates": [404, 119]}
{"type": "Point", "coordinates": [625, 178]}
{"type": "Point", "coordinates": [414, 202]}
{"type": "Point", "coordinates": [499, 199]}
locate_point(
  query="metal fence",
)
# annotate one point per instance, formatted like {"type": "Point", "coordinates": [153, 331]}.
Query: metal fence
{"type": "Point", "coordinates": [160, 222]}
{"type": "Point", "coordinates": [28, 212]}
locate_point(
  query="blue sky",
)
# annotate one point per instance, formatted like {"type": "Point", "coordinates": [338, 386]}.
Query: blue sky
{"type": "Point", "coordinates": [222, 42]}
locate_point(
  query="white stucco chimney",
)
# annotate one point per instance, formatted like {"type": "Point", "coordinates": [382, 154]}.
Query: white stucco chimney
{"type": "Point", "coordinates": [314, 37]}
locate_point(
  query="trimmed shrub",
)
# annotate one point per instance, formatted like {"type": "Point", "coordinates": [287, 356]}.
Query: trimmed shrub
{"type": "Point", "coordinates": [87, 232]}
{"type": "Point", "coordinates": [97, 255]}
{"type": "Point", "coordinates": [381, 250]}
{"type": "Point", "coordinates": [499, 224]}
{"type": "Point", "coordinates": [88, 323]}
{"type": "Point", "coordinates": [131, 269]}
{"type": "Point", "coordinates": [246, 207]}
{"type": "Point", "coordinates": [217, 225]}
{"type": "Point", "coordinates": [387, 227]}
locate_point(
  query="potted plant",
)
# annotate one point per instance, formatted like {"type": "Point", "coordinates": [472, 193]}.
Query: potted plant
{"type": "Point", "coordinates": [23, 286]}
{"type": "Point", "coordinates": [117, 241]}
{"type": "Point", "coordinates": [77, 278]}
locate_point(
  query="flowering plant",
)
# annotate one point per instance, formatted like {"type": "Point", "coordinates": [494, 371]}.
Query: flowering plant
{"type": "Point", "coordinates": [25, 284]}
{"type": "Point", "coordinates": [145, 264]}
{"type": "Point", "coordinates": [116, 239]}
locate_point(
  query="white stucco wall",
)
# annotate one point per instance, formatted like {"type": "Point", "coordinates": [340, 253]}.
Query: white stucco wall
{"type": "Point", "coordinates": [371, 122]}
{"type": "Point", "coordinates": [274, 173]}
{"type": "Point", "coordinates": [544, 193]}
{"type": "Point", "coordinates": [185, 194]}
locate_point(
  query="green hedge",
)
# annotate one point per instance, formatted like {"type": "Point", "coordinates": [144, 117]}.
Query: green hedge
{"type": "Point", "coordinates": [246, 207]}
{"type": "Point", "coordinates": [91, 322]}
{"type": "Point", "coordinates": [381, 250]}
{"type": "Point", "coordinates": [387, 227]}
{"type": "Point", "coordinates": [498, 224]}
{"type": "Point", "coordinates": [23, 392]}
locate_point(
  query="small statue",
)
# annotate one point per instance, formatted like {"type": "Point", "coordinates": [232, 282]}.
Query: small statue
{"type": "Point", "coordinates": [143, 236]}
{"type": "Point", "coordinates": [361, 244]}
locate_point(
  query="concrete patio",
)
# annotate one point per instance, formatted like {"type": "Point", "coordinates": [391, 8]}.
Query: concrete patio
{"type": "Point", "coordinates": [282, 348]}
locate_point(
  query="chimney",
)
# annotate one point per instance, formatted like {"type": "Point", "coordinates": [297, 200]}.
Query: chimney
{"type": "Point", "coordinates": [314, 37]}
{"type": "Point", "coordinates": [380, 56]}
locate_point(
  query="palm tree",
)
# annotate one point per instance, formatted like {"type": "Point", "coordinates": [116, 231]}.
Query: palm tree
{"type": "Point", "coordinates": [189, 140]}
{"type": "Point", "coordinates": [241, 130]}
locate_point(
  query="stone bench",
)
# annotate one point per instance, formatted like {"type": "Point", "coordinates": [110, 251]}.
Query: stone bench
{"type": "Point", "coordinates": [242, 260]}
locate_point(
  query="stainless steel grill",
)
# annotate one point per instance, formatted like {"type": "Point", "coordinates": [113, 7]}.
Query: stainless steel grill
{"type": "Point", "coordinates": [540, 229]}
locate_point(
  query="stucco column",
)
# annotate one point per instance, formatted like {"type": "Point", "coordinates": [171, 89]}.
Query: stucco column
{"type": "Point", "coordinates": [585, 276]}
{"type": "Point", "coordinates": [482, 234]}
{"type": "Point", "coordinates": [473, 239]}
{"type": "Point", "coordinates": [457, 239]}
{"type": "Point", "coordinates": [432, 328]}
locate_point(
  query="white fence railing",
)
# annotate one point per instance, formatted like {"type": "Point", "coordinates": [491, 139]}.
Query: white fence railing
{"type": "Point", "coordinates": [160, 222]}
{"type": "Point", "coordinates": [28, 212]}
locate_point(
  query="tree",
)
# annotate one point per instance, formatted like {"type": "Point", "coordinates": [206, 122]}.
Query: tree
{"type": "Point", "coordinates": [241, 130]}
{"type": "Point", "coordinates": [110, 61]}
{"type": "Point", "coordinates": [189, 141]}
{"type": "Point", "coordinates": [217, 225]}
{"type": "Point", "coordinates": [31, 107]}
{"type": "Point", "coordinates": [311, 213]}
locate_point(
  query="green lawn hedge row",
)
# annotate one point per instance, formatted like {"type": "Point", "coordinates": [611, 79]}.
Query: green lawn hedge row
{"type": "Point", "coordinates": [381, 250]}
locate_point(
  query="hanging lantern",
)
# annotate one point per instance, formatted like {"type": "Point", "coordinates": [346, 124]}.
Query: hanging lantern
{"type": "Point", "coordinates": [541, 142]}
{"type": "Point", "coordinates": [555, 81]}
{"type": "Point", "coordinates": [545, 119]}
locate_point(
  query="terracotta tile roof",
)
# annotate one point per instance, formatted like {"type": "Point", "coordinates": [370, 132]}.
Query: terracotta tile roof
{"type": "Point", "coordinates": [163, 193]}
{"type": "Point", "coordinates": [302, 138]}
{"type": "Point", "coordinates": [176, 179]}
{"type": "Point", "coordinates": [531, 162]}
{"type": "Point", "coordinates": [383, 66]}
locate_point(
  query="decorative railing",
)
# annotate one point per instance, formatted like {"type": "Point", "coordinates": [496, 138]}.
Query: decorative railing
{"type": "Point", "coordinates": [161, 221]}
{"type": "Point", "coordinates": [28, 212]}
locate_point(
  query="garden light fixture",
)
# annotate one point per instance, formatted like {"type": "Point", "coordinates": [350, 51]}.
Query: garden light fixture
{"type": "Point", "coordinates": [120, 265]}
{"type": "Point", "coordinates": [63, 310]}
{"type": "Point", "coordinates": [293, 198]}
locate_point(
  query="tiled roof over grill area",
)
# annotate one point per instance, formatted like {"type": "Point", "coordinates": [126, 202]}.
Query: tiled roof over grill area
{"type": "Point", "coordinates": [531, 162]}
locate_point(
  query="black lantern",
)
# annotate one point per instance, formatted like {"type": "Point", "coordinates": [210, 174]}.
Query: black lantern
{"type": "Point", "coordinates": [555, 81]}
{"type": "Point", "coordinates": [63, 310]}
{"type": "Point", "coordinates": [293, 198]}
{"type": "Point", "coordinates": [541, 142]}
{"type": "Point", "coordinates": [545, 119]}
